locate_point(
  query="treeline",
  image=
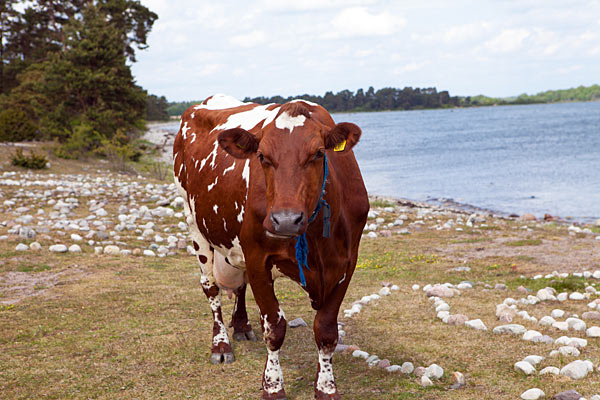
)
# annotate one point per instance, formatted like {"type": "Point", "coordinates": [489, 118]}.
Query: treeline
{"type": "Point", "coordinates": [65, 74]}
{"type": "Point", "coordinates": [412, 99]}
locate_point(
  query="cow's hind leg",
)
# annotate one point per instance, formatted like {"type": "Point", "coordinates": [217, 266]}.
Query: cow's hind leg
{"type": "Point", "coordinates": [239, 321]}
{"type": "Point", "coordinates": [221, 351]}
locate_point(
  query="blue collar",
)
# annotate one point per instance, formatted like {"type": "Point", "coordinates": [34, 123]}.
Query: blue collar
{"type": "Point", "coordinates": [301, 243]}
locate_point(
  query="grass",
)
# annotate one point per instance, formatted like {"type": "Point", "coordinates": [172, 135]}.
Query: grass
{"type": "Point", "coordinates": [525, 242]}
{"type": "Point", "coordinates": [380, 203]}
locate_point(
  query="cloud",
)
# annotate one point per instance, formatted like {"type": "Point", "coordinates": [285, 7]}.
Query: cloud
{"type": "Point", "coordinates": [310, 5]}
{"type": "Point", "coordinates": [410, 67]}
{"type": "Point", "coordinates": [250, 39]}
{"type": "Point", "coordinates": [466, 32]}
{"type": "Point", "coordinates": [508, 40]}
{"type": "Point", "coordinates": [359, 22]}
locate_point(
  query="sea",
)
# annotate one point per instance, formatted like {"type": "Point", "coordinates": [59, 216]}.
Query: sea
{"type": "Point", "coordinates": [538, 159]}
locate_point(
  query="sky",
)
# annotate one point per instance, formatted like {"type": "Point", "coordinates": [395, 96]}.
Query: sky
{"type": "Point", "coordinates": [277, 47]}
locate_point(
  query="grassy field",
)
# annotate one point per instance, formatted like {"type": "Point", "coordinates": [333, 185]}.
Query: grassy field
{"type": "Point", "coordinates": [125, 327]}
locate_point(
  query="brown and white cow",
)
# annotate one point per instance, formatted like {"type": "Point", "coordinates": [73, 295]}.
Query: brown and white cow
{"type": "Point", "coordinates": [252, 176]}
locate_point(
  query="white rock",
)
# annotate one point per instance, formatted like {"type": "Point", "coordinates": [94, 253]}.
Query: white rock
{"type": "Point", "coordinates": [74, 248]}
{"type": "Point", "coordinates": [533, 359]}
{"type": "Point", "coordinates": [576, 370]}
{"type": "Point", "coordinates": [76, 238]}
{"type": "Point", "coordinates": [395, 288]}
{"type": "Point", "coordinates": [561, 325]}
{"type": "Point", "coordinates": [442, 307]}
{"type": "Point", "coordinates": [434, 371]}
{"type": "Point", "coordinates": [557, 313]}
{"type": "Point", "coordinates": [476, 324]}
{"type": "Point", "coordinates": [568, 351]}
{"type": "Point", "coordinates": [524, 367]}
{"type": "Point", "coordinates": [514, 329]}
{"type": "Point", "coordinates": [407, 368]}
{"type": "Point", "coordinates": [22, 247]}
{"type": "Point", "coordinates": [360, 354]}
{"type": "Point", "coordinates": [35, 246]}
{"type": "Point", "coordinates": [101, 212]}
{"type": "Point", "coordinates": [562, 297]}
{"type": "Point", "coordinates": [58, 248]}
{"type": "Point", "coordinates": [464, 285]}
{"type": "Point", "coordinates": [533, 394]}
{"type": "Point", "coordinates": [372, 235]}
{"type": "Point", "coordinates": [529, 335]}
{"type": "Point", "coordinates": [544, 295]}
{"type": "Point", "coordinates": [547, 321]}
{"type": "Point", "coordinates": [550, 370]}
{"type": "Point", "coordinates": [593, 331]}
{"type": "Point", "coordinates": [149, 253]}
{"type": "Point", "coordinates": [576, 324]}
{"type": "Point", "coordinates": [393, 368]}
{"type": "Point", "coordinates": [98, 250]}
{"type": "Point", "coordinates": [443, 315]}
{"type": "Point", "coordinates": [384, 291]}
{"type": "Point", "coordinates": [576, 296]}
{"type": "Point", "coordinates": [112, 250]}
{"type": "Point", "coordinates": [425, 381]}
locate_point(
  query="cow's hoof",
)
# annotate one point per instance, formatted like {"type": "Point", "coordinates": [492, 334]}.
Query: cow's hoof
{"type": "Point", "coordinates": [241, 336]}
{"type": "Point", "coordinates": [322, 396]}
{"type": "Point", "coordinates": [274, 396]}
{"type": "Point", "coordinates": [222, 358]}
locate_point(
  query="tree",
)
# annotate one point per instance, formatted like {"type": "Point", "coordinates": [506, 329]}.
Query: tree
{"type": "Point", "coordinates": [156, 108]}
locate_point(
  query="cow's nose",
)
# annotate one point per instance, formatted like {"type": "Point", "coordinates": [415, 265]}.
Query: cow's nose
{"type": "Point", "coordinates": [287, 222]}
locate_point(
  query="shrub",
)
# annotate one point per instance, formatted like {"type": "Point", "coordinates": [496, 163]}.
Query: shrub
{"type": "Point", "coordinates": [83, 140]}
{"type": "Point", "coordinates": [31, 161]}
{"type": "Point", "coordinates": [15, 126]}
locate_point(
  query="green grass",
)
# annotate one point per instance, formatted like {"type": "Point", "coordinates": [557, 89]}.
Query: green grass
{"type": "Point", "coordinates": [381, 203]}
{"type": "Point", "coordinates": [570, 284]}
{"type": "Point", "coordinates": [524, 242]}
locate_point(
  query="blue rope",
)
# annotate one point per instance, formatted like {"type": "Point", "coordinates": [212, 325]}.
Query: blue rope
{"type": "Point", "coordinates": [301, 243]}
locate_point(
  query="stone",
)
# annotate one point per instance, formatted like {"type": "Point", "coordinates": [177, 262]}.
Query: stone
{"type": "Point", "coordinates": [426, 382]}
{"type": "Point", "coordinates": [500, 286]}
{"type": "Point", "coordinates": [393, 368]}
{"type": "Point", "coordinates": [372, 360]}
{"type": "Point", "coordinates": [35, 246]}
{"type": "Point", "coordinates": [524, 367]}
{"type": "Point", "coordinates": [568, 351]}
{"type": "Point", "coordinates": [514, 329]}
{"type": "Point", "coordinates": [112, 250]}
{"type": "Point", "coordinates": [562, 297]}
{"type": "Point", "coordinates": [74, 248]}
{"type": "Point", "coordinates": [407, 368]}
{"type": "Point", "coordinates": [533, 394]}
{"type": "Point", "coordinates": [568, 395]}
{"type": "Point", "coordinates": [458, 380]}
{"type": "Point", "coordinates": [419, 371]}
{"type": "Point", "coordinates": [457, 319]}
{"type": "Point", "coordinates": [547, 321]}
{"type": "Point", "coordinates": [533, 359]}
{"type": "Point", "coordinates": [505, 313]}
{"type": "Point", "coordinates": [27, 233]}
{"type": "Point", "coordinates": [385, 291]}
{"type": "Point", "coordinates": [545, 295]}
{"type": "Point", "coordinates": [440, 291]}
{"type": "Point", "coordinates": [523, 290]}
{"type": "Point", "coordinates": [149, 253]}
{"type": "Point", "coordinates": [22, 247]}
{"type": "Point", "coordinates": [576, 296]}
{"type": "Point", "coordinates": [576, 324]}
{"type": "Point", "coordinates": [593, 331]}
{"type": "Point", "coordinates": [58, 248]}
{"type": "Point", "coordinates": [576, 370]}
{"type": "Point", "coordinates": [550, 371]}
{"type": "Point", "coordinates": [529, 335]}
{"type": "Point", "coordinates": [76, 238]}
{"type": "Point", "coordinates": [415, 287]}
{"type": "Point", "coordinates": [434, 372]}
{"type": "Point", "coordinates": [557, 313]}
{"type": "Point", "coordinates": [360, 354]}
{"type": "Point", "coordinates": [561, 325]}
{"type": "Point", "coordinates": [542, 339]}
{"type": "Point", "coordinates": [296, 323]}
{"type": "Point", "coordinates": [442, 307]}
{"type": "Point", "coordinates": [527, 217]}
{"type": "Point", "coordinates": [101, 235]}
{"type": "Point", "coordinates": [476, 324]}
{"type": "Point", "coordinates": [384, 363]}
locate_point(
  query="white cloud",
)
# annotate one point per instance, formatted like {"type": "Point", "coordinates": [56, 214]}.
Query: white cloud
{"type": "Point", "coordinates": [250, 39]}
{"type": "Point", "coordinates": [508, 40]}
{"type": "Point", "coordinates": [358, 21]}
{"type": "Point", "coordinates": [466, 32]}
{"type": "Point", "coordinates": [308, 5]}
{"type": "Point", "coordinates": [410, 67]}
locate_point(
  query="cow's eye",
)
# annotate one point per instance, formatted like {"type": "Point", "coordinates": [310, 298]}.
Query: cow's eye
{"type": "Point", "coordinates": [263, 160]}
{"type": "Point", "coordinates": [319, 154]}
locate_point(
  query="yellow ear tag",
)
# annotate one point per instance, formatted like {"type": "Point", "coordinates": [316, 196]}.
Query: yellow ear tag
{"type": "Point", "coordinates": [340, 146]}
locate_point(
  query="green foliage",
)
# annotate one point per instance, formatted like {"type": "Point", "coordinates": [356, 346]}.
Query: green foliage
{"type": "Point", "coordinates": [16, 126]}
{"type": "Point", "coordinates": [119, 150]}
{"type": "Point", "coordinates": [82, 140]}
{"type": "Point", "coordinates": [524, 242]}
{"type": "Point", "coordinates": [156, 108]}
{"type": "Point", "coordinates": [569, 284]}
{"type": "Point", "coordinates": [177, 108]}
{"type": "Point", "coordinates": [31, 161]}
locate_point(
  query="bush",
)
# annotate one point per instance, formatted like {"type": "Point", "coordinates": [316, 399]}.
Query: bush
{"type": "Point", "coordinates": [15, 126]}
{"type": "Point", "coordinates": [31, 161]}
{"type": "Point", "coordinates": [83, 140]}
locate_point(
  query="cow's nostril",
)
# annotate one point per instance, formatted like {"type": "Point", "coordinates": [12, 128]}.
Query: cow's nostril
{"type": "Point", "coordinates": [300, 219]}
{"type": "Point", "coordinates": [274, 220]}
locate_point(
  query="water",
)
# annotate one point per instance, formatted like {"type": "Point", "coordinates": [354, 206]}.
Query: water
{"type": "Point", "coordinates": [514, 159]}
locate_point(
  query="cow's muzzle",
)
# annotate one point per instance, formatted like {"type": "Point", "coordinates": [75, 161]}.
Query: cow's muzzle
{"type": "Point", "coordinates": [287, 222]}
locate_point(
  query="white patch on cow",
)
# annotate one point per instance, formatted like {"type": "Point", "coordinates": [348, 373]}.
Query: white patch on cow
{"type": "Point", "coordinates": [204, 225]}
{"type": "Point", "coordinates": [214, 154]}
{"type": "Point", "coordinates": [203, 162]}
{"type": "Point", "coordinates": [196, 163]}
{"type": "Point", "coordinates": [212, 185]}
{"type": "Point", "coordinates": [180, 168]}
{"type": "Point", "coordinates": [193, 115]}
{"type": "Point", "coordinates": [216, 208]}
{"type": "Point", "coordinates": [304, 101]}
{"type": "Point", "coordinates": [184, 130]}
{"type": "Point", "coordinates": [175, 156]}
{"type": "Point", "coordinates": [240, 216]}
{"type": "Point", "coordinates": [273, 377]}
{"type": "Point", "coordinates": [248, 119]}
{"type": "Point", "coordinates": [226, 170]}
{"type": "Point", "coordinates": [220, 101]}
{"type": "Point", "coordinates": [286, 121]}
{"type": "Point", "coordinates": [343, 279]}
{"type": "Point", "coordinates": [325, 380]}
{"type": "Point", "coordinates": [236, 205]}
{"type": "Point", "coordinates": [246, 173]}
{"type": "Point", "coordinates": [194, 137]}
{"type": "Point", "coordinates": [224, 225]}
{"type": "Point", "coordinates": [280, 315]}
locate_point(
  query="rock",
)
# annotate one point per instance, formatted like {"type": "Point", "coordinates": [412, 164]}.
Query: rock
{"type": "Point", "coordinates": [395, 288]}
{"type": "Point", "coordinates": [533, 394]}
{"type": "Point", "coordinates": [527, 217]}
{"type": "Point", "coordinates": [547, 321]}
{"type": "Point", "coordinates": [442, 307]}
{"type": "Point", "coordinates": [557, 313]}
{"type": "Point", "coordinates": [576, 370]}
{"type": "Point", "coordinates": [458, 380]}
{"type": "Point", "coordinates": [440, 291]}
{"type": "Point", "coordinates": [576, 324]}
{"type": "Point", "coordinates": [58, 248]}
{"type": "Point", "coordinates": [457, 319]}
{"type": "Point", "coordinates": [434, 371]}
{"type": "Point", "coordinates": [568, 351]}
{"type": "Point", "coordinates": [550, 371]}
{"type": "Point", "coordinates": [22, 247]}
{"type": "Point", "coordinates": [419, 371]}
{"type": "Point", "coordinates": [576, 296]}
{"type": "Point", "coordinates": [351, 349]}
{"type": "Point", "coordinates": [407, 368]}
{"type": "Point", "coordinates": [35, 246]}
{"type": "Point", "coordinates": [545, 295]}
{"type": "Point", "coordinates": [415, 287]}
{"type": "Point", "coordinates": [149, 253]}
{"type": "Point", "coordinates": [360, 354]}
{"type": "Point", "coordinates": [505, 313]}
{"type": "Point", "coordinates": [425, 381]}
{"type": "Point", "coordinates": [74, 248]}
{"type": "Point", "coordinates": [476, 324]}
{"type": "Point", "coordinates": [101, 235]}
{"type": "Point", "coordinates": [384, 363]}
{"type": "Point", "coordinates": [137, 252]}
{"type": "Point", "coordinates": [562, 297]}
{"type": "Point", "coordinates": [561, 325]}
{"type": "Point", "coordinates": [393, 368]}
{"type": "Point", "coordinates": [112, 250]}
{"type": "Point", "coordinates": [27, 233]}
{"type": "Point", "coordinates": [542, 339]}
{"type": "Point", "coordinates": [372, 360]}
{"type": "Point", "coordinates": [514, 329]}
{"type": "Point", "coordinates": [568, 395]}
{"type": "Point", "coordinates": [296, 323]}
{"type": "Point", "coordinates": [593, 331]}
{"type": "Point", "coordinates": [76, 238]}
{"type": "Point", "coordinates": [529, 335]}
{"type": "Point", "coordinates": [385, 291]}
{"type": "Point", "coordinates": [500, 286]}
{"type": "Point", "coordinates": [524, 367]}
{"type": "Point", "coordinates": [372, 235]}
{"type": "Point", "coordinates": [523, 290]}
{"type": "Point", "coordinates": [533, 359]}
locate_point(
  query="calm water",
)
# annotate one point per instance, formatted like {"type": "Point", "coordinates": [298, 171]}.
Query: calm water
{"type": "Point", "coordinates": [536, 158]}
{"type": "Point", "coordinates": [515, 159]}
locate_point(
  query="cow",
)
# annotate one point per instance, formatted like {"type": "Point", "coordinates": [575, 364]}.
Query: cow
{"type": "Point", "coordinates": [270, 191]}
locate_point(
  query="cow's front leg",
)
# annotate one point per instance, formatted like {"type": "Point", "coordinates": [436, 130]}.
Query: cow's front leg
{"type": "Point", "coordinates": [242, 330]}
{"type": "Point", "coordinates": [326, 336]}
{"type": "Point", "coordinates": [273, 325]}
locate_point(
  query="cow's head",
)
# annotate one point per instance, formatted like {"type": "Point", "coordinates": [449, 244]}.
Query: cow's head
{"type": "Point", "coordinates": [290, 150]}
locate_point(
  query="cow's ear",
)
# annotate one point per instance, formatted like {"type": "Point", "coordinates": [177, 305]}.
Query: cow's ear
{"type": "Point", "coordinates": [238, 142]}
{"type": "Point", "coordinates": [342, 137]}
